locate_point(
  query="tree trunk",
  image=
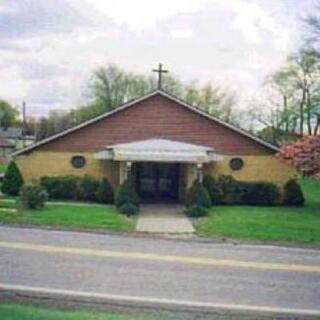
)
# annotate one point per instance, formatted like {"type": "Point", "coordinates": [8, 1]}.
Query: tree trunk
{"type": "Point", "coordinates": [309, 112]}
{"type": "Point", "coordinates": [301, 109]}
{"type": "Point", "coordinates": [285, 108]}
{"type": "Point", "coordinates": [316, 128]}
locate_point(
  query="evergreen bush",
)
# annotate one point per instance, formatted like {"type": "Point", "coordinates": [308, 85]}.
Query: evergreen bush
{"type": "Point", "coordinates": [293, 195]}
{"type": "Point", "coordinates": [32, 196]}
{"type": "Point", "coordinates": [196, 211]}
{"type": "Point", "coordinates": [126, 194]}
{"type": "Point", "coordinates": [198, 196]}
{"type": "Point", "coordinates": [129, 209]}
{"type": "Point", "coordinates": [105, 192]}
{"type": "Point", "coordinates": [213, 189]}
{"type": "Point", "coordinates": [12, 181]}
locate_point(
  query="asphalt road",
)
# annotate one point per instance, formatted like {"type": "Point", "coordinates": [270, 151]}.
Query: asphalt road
{"type": "Point", "coordinates": [167, 273]}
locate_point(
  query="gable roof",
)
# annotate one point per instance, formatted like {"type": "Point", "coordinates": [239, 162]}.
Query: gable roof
{"type": "Point", "coordinates": [140, 99]}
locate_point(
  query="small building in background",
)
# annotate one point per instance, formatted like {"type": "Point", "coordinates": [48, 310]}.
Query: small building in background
{"type": "Point", "coordinates": [15, 136]}
{"type": "Point", "coordinates": [6, 149]}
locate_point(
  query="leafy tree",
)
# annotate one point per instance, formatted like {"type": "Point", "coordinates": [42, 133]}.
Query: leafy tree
{"type": "Point", "coordinates": [214, 100]}
{"type": "Point", "coordinates": [294, 96]}
{"type": "Point", "coordinates": [305, 73]}
{"type": "Point", "coordinates": [55, 122]}
{"type": "Point", "coordinates": [304, 154]}
{"type": "Point", "coordinates": [12, 180]}
{"type": "Point", "coordinates": [312, 23]}
{"type": "Point", "coordinates": [8, 114]}
{"type": "Point", "coordinates": [277, 136]}
{"type": "Point", "coordinates": [112, 86]}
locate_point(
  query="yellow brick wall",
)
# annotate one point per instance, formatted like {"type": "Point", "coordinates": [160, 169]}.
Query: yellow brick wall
{"type": "Point", "coordinates": [42, 163]}
{"type": "Point", "coordinates": [256, 168]}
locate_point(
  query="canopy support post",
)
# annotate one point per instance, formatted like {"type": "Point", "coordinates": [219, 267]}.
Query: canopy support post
{"type": "Point", "coordinates": [199, 172]}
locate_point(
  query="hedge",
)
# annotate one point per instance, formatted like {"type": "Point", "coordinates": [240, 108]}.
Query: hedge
{"type": "Point", "coordinates": [63, 187]}
{"type": "Point", "coordinates": [84, 188]}
{"type": "Point", "coordinates": [88, 189]}
{"type": "Point", "coordinates": [227, 190]}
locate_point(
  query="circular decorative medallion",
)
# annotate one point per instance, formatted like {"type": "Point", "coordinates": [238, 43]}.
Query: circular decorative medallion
{"type": "Point", "coordinates": [78, 161]}
{"type": "Point", "coordinates": [236, 164]}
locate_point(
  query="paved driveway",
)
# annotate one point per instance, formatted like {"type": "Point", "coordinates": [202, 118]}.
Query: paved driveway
{"type": "Point", "coordinates": [162, 218]}
{"type": "Point", "coordinates": [170, 273]}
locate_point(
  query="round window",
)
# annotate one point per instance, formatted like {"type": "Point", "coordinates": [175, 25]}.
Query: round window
{"type": "Point", "coordinates": [78, 162]}
{"type": "Point", "coordinates": [236, 164]}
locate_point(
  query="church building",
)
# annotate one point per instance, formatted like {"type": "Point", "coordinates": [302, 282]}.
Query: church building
{"type": "Point", "coordinates": [162, 142]}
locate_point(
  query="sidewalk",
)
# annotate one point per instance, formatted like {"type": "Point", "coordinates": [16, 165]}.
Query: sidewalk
{"type": "Point", "coordinates": [163, 218]}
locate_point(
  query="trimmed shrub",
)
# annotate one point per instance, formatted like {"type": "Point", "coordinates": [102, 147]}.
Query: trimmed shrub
{"type": "Point", "coordinates": [213, 189]}
{"type": "Point", "coordinates": [196, 211]}
{"type": "Point", "coordinates": [87, 188]}
{"type": "Point", "coordinates": [63, 187]}
{"type": "Point", "coordinates": [198, 196]}
{"type": "Point", "coordinates": [105, 192]}
{"type": "Point", "coordinates": [293, 195]}
{"type": "Point", "coordinates": [12, 181]}
{"type": "Point", "coordinates": [227, 190]}
{"type": "Point", "coordinates": [258, 193]}
{"type": "Point", "coordinates": [129, 209]}
{"type": "Point", "coordinates": [32, 196]}
{"type": "Point", "coordinates": [126, 194]}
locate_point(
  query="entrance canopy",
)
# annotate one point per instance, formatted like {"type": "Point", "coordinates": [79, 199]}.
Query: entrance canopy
{"type": "Point", "coordinates": [159, 150]}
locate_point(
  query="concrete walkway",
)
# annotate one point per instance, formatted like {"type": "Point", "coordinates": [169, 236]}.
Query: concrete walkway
{"type": "Point", "coordinates": [164, 218]}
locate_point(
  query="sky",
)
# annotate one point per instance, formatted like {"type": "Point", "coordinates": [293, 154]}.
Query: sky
{"type": "Point", "coordinates": [49, 48]}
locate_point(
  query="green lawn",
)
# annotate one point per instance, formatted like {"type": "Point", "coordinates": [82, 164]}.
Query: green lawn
{"type": "Point", "coordinates": [22, 312]}
{"type": "Point", "coordinates": [19, 312]}
{"type": "Point", "coordinates": [68, 215]}
{"type": "Point", "coordinates": [283, 224]}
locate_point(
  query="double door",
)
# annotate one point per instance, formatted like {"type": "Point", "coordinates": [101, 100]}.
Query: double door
{"type": "Point", "coordinates": [157, 181]}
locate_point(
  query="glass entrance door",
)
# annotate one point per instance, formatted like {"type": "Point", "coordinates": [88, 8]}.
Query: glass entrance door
{"type": "Point", "coordinates": [157, 181]}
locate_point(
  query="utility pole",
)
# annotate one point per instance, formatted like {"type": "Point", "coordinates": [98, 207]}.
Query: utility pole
{"type": "Point", "coordinates": [23, 130]}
